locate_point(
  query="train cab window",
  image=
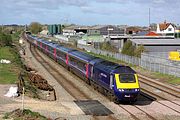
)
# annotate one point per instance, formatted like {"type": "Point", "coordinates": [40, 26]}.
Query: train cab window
{"type": "Point", "coordinates": [127, 78]}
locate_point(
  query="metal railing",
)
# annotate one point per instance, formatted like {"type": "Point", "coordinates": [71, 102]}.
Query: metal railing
{"type": "Point", "coordinates": [149, 62]}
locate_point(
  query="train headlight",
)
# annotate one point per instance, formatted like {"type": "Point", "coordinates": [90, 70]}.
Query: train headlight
{"type": "Point", "coordinates": [136, 90]}
{"type": "Point", "coordinates": [121, 90]}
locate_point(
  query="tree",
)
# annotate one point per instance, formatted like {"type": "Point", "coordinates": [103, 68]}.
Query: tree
{"type": "Point", "coordinates": [140, 49]}
{"type": "Point", "coordinates": [107, 46]}
{"type": "Point", "coordinates": [128, 48]}
{"type": "Point", "coordinates": [35, 27]}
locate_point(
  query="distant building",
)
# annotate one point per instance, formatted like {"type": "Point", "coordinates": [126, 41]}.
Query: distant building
{"type": "Point", "coordinates": [152, 34]}
{"type": "Point", "coordinates": [133, 30]}
{"type": "Point", "coordinates": [54, 29]}
{"type": "Point", "coordinates": [177, 32]}
{"type": "Point", "coordinates": [69, 31]}
{"type": "Point", "coordinates": [75, 30]}
{"type": "Point", "coordinates": [158, 45]}
{"type": "Point", "coordinates": [165, 28]}
{"type": "Point", "coordinates": [105, 30]}
{"type": "Point", "coordinates": [44, 32]}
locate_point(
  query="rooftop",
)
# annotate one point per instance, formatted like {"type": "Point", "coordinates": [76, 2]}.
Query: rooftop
{"type": "Point", "coordinates": [95, 38]}
{"type": "Point", "coordinates": [156, 41]}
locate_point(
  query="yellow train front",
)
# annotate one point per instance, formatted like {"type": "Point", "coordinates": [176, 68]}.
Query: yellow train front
{"type": "Point", "coordinates": [119, 80]}
{"type": "Point", "coordinates": [126, 87]}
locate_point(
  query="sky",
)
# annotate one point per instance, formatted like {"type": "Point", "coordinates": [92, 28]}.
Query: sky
{"type": "Point", "coordinates": [89, 12]}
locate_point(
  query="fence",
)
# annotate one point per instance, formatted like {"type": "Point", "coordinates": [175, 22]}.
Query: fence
{"type": "Point", "coordinates": [149, 62]}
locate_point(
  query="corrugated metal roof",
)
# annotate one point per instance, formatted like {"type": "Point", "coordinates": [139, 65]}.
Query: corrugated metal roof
{"type": "Point", "coordinates": [73, 27]}
{"type": "Point", "coordinates": [97, 27]}
{"type": "Point", "coordinates": [156, 41]}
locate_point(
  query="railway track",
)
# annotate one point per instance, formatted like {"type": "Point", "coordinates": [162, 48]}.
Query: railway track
{"type": "Point", "coordinates": [160, 86]}
{"type": "Point", "coordinates": [134, 116]}
{"type": "Point", "coordinates": [68, 85]}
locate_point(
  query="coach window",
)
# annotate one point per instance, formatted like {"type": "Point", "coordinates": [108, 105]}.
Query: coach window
{"type": "Point", "coordinates": [51, 49]}
{"type": "Point", "coordinates": [57, 53]}
{"type": "Point", "coordinates": [71, 60]}
{"type": "Point", "coordinates": [43, 45]}
{"type": "Point", "coordinates": [63, 55]}
{"type": "Point", "coordinates": [82, 66]}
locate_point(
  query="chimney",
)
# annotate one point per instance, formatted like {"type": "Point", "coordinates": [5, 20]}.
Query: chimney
{"type": "Point", "coordinates": [165, 22]}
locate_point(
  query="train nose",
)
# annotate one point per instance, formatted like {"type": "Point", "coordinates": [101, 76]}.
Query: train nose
{"type": "Point", "coordinates": [127, 94]}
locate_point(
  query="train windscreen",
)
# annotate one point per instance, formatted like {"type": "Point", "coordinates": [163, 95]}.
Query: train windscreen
{"type": "Point", "coordinates": [127, 78]}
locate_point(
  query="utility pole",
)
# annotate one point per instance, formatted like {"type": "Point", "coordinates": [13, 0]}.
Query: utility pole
{"type": "Point", "coordinates": [149, 18]}
{"type": "Point", "coordinates": [23, 100]}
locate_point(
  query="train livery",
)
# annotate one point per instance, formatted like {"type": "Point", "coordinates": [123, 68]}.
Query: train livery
{"type": "Point", "coordinates": [118, 82]}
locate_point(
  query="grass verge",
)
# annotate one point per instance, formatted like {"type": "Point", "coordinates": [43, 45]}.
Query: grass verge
{"type": "Point", "coordinates": [9, 72]}
{"type": "Point", "coordinates": [26, 114]}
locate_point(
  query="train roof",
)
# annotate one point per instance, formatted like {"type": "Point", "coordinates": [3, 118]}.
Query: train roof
{"type": "Point", "coordinates": [111, 67]}
{"type": "Point", "coordinates": [54, 45]}
{"type": "Point", "coordinates": [96, 61]}
{"type": "Point", "coordinates": [64, 49]}
{"type": "Point", "coordinates": [81, 55]}
{"type": "Point", "coordinates": [125, 69]}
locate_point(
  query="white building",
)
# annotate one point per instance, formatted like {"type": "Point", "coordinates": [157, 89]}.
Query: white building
{"type": "Point", "coordinates": [165, 28]}
{"type": "Point", "coordinates": [69, 32]}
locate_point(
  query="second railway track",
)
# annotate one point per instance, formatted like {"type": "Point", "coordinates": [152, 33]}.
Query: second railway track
{"type": "Point", "coordinates": [166, 88]}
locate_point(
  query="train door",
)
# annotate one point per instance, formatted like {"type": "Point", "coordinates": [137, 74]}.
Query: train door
{"type": "Point", "coordinates": [90, 72]}
{"type": "Point", "coordinates": [55, 54]}
{"type": "Point", "coordinates": [111, 85]}
{"type": "Point", "coordinates": [41, 45]}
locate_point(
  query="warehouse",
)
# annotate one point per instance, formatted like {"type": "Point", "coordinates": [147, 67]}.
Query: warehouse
{"type": "Point", "coordinates": [158, 45]}
{"type": "Point", "coordinates": [105, 30]}
{"type": "Point", "coordinates": [75, 30]}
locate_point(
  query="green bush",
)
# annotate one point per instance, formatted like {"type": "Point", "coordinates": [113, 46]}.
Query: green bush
{"type": "Point", "coordinates": [128, 48]}
{"type": "Point", "coordinates": [140, 49]}
{"type": "Point", "coordinates": [107, 46]}
{"type": "Point", "coordinates": [131, 50]}
{"type": "Point", "coordinates": [5, 40]}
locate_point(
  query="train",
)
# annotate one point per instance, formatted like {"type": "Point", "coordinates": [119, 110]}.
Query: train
{"type": "Point", "coordinates": [118, 82]}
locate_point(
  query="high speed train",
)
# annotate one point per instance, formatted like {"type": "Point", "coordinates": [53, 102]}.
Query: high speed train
{"type": "Point", "coordinates": [118, 82]}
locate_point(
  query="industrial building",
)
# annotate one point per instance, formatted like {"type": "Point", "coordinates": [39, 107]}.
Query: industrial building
{"type": "Point", "coordinates": [54, 29]}
{"type": "Point", "coordinates": [105, 30]}
{"type": "Point", "coordinates": [158, 45]}
{"type": "Point", "coordinates": [75, 30]}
